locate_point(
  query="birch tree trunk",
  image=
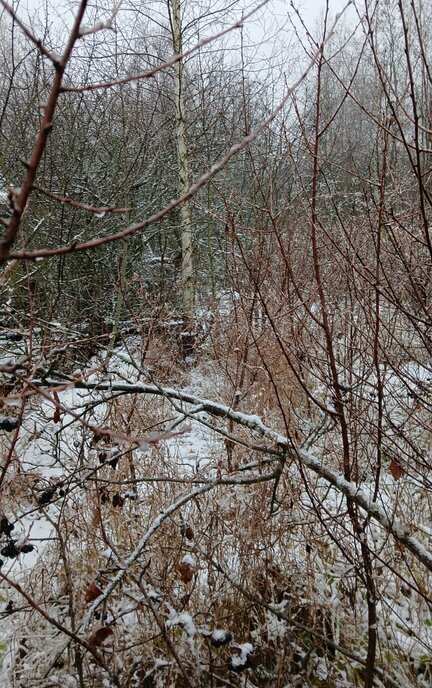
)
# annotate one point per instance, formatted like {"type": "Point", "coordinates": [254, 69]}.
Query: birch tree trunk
{"type": "Point", "coordinates": [188, 296]}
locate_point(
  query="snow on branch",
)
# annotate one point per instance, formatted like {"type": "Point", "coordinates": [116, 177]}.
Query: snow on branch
{"type": "Point", "coordinates": [202, 181]}
{"type": "Point", "coordinates": [254, 423]}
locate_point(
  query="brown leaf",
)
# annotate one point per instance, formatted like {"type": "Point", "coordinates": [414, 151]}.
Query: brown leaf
{"type": "Point", "coordinates": [187, 531]}
{"type": "Point", "coordinates": [92, 592]}
{"type": "Point", "coordinates": [100, 635]}
{"type": "Point", "coordinates": [185, 571]}
{"type": "Point", "coordinates": [56, 415]}
{"type": "Point", "coordinates": [396, 470]}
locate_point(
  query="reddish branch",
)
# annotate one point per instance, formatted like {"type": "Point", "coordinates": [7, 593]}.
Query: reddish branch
{"type": "Point", "coordinates": [102, 210]}
{"type": "Point", "coordinates": [20, 197]}
{"type": "Point", "coordinates": [30, 35]}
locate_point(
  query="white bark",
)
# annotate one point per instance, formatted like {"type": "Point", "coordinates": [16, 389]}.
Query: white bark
{"type": "Point", "coordinates": [188, 295]}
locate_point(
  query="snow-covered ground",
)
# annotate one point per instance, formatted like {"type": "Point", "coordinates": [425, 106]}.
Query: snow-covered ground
{"type": "Point", "coordinates": [57, 456]}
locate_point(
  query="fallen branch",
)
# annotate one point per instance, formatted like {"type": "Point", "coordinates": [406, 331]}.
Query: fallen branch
{"type": "Point", "coordinates": [254, 423]}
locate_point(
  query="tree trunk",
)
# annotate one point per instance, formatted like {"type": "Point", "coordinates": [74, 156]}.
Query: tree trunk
{"type": "Point", "coordinates": [188, 296]}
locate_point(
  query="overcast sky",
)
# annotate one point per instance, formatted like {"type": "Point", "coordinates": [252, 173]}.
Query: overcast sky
{"type": "Point", "coordinates": [278, 10]}
{"type": "Point", "coordinates": [269, 38]}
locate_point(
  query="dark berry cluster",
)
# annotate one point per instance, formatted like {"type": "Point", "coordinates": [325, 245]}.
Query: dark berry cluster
{"type": "Point", "coordinates": [11, 549]}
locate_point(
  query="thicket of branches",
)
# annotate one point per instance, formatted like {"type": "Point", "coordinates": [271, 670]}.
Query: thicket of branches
{"type": "Point", "coordinates": [239, 496]}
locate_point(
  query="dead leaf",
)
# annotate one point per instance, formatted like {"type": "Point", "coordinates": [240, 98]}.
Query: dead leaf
{"type": "Point", "coordinates": [56, 415]}
{"type": "Point", "coordinates": [396, 470]}
{"type": "Point", "coordinates": [92, 592]}
{"type": "Point", "coordinates": [187, 531]}
{"type": "Point", "coordinates": [100, 635]}
{"type": "Point", "coordinates": [185, 571]}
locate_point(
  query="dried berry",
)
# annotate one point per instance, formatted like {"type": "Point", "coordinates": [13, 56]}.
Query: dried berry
{"type": "Point", "coordinates": [47, 495]}
{"type": "Point", "coordinates": [117, 500]}
{"type": "Point", "coordinates": [10, 550]}
{"type": "Point", "coordinates": [236, 667]}
{"type": "Point", "coordinates": [8, 424]}
{"type": "Point", "coordinates": [25, 549]}
{"type": "Point", "coordinates": [5, 526]}
{"type": "Point", "coordinates": [241, 661]}
{"type": "Point", "coordinates": [219, 638]}
{"type": "Point", "coordinates": [99, 616]}
{"type": "Point", "coordinates": [113, 462]}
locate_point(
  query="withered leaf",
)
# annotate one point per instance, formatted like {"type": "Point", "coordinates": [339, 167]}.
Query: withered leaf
{"type": "Point", "coordinates": [186, 572]}
{"type": "Point", "coordinates": [92, 592]}
{"type": "Point", "coordinates": [396, 470]}
{"type": "Point", "coordinates": [100, 635]}
{"type": "Point", "coordinates": [56, 415]}
{"type": "Point", "coordinates": [187, 531]}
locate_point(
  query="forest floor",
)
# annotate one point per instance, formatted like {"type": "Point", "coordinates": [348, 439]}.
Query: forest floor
{"type": "Point", "coordinates": [58, 457]}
